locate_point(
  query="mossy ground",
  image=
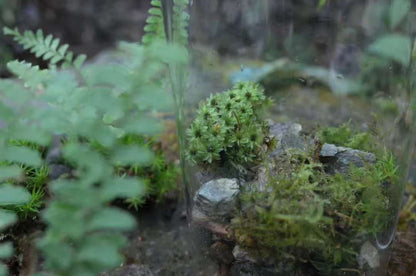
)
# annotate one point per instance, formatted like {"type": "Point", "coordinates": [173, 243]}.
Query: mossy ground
{"type": "Point", "coordinates": [305, 215]}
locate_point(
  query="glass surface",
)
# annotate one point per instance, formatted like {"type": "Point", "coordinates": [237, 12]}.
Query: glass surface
{"type": "Point", "coordinates": [311, 180]}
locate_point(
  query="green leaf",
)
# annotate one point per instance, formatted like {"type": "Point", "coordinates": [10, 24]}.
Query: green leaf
{"type": "Point", "coordinates": [3, 270]}
{"type": "Point", "coordinates": [13, 195]}
{"type": "Point", "coordinates": [142, 124]}
{"type": "Point", "coordinates": [9, 172]}
{"type": "Point", "coordinates": [8, 31]}
{"type": "Point", "coordinates": [111, 219]}
{"type": "Point", "coordinates": [393, 46]}
{"type": "Point", "coordinates": [31, 75]}
{"type": "Point", "coordinates": [62, 50]}
{"type": "Point", "coordinates": [21, 155]}
{"type": "Point", "coordinates": [132, 155]}
{"type": "Point", "coordinates": [126, 187]}
{"type": "Point", "coordinates": [55, 44]}
{"type": "Point", "coordinates": [100, 253]}
{"type": "Point", "coordinates": [6, 250]}
{"type": "Point", "coordinates": [67, 219]}
{"type": "Point", "coordinates": [7, 218]}
{"type": "Point", "coordinates": [79, 61]}
{"type": "Point", "coordinates": [398, 11]}
{"type": "Point", "coordinates": [30, 134]}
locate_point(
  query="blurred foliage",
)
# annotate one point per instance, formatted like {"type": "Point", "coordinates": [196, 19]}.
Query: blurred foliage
{"type": "Point", "coordinates": [107, 116]}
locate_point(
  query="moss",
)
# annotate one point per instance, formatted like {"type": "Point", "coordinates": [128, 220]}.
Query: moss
{"type": "Point", "coordinates": [305, 215]}
{"type": "Point", "coordinates": [228, 127]}
{"type": "Point", "coordinates": [347, 136]}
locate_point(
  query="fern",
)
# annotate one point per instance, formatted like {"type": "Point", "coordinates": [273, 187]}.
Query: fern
{"type": "Point", "coordinates": [168, 20]}
{"type": "Point", "coordinates": [32, 76]}
{"type": "Point", "coordinates": [154, 29]}
{"type": "Point", "coordinates": [48, 48]}
{"type": "Point", "coordinates": [180, 22]}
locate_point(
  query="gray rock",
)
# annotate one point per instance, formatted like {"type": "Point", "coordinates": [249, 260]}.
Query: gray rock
{"type": "Point", "coordinates": [217, 199]}
{"type": "Point", "coordinates": [339, 159]}
{"type": "Point", "coordinates": [252, 269]}
{"type": "Point", "coordinates": [242, 256]}
{"type": "Point", "coordinates": [58, 170]}
{"type": "Point", "coordinates": [288, 136]}
{"type": "Point", "coordinates": [130, 270]}
{"type": "Point", "coordinates": [369, 255]}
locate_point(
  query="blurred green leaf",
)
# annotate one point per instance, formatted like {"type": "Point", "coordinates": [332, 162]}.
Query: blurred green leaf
{"type": "Point", "coordinates": [126, 187]}
{"type": "Point", "coordinates": [111, 219]}
{"type": "Point", "coordinates": [8, 172]}
{"type": "Point", "coordinates": [21, 155]}
{"type": "Point", "coordinates": [12, 195]}
{"type": "Point", "coordinates": [112, 75]}
{"type": "Point", "coordinates": [96, 251]}
{"type": "Point", "coordinates": [3, 270]}
{"type": "Point", "coordinates": [7, 218]}
{"type": "Point", "coordinates": [67, 219]}
{"type": "Point", "coordinates": [129, 155]}
{"type": "Point", "coordinates": [32, 76]}
{"type": "Point", "coordinates": [398, 11]}
{"type": "Point", "coordinates": [29, 134]}
{"type": "Point", "coordinates": [142, 124]}
{"type": "Point", "coordinates": [393, 46]}
{"type": "Point", "coordinates": [6, 250]}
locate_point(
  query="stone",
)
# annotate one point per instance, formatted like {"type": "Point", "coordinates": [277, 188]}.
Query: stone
{"type": "Point", "coordinates": [222, 252]}
{"type": "Point", "coordinates": [241, 255]}
{"type": "Point", "coordinates": [368, 255]}
{"type": "Point", "coordinates": [217, 199]}
{"type": "Point", "coordinates": [130, 270]}
{"type": "Point", "coordinates": [288, 136]}
{"type": "Point", "coordinates": [58, 170]}
{"type": "Point", "coordinates": [338, 159]}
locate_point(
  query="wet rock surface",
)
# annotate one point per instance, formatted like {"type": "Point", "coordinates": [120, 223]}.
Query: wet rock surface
{"type": "Point", "coordinates": [217, 199]}
{"type": "Point", "coordinates": [369, 256]}
{"type": "Point", "coordinates": [339, 159]}
{"type": "Point", "coordinates": [288, 136]}
{"type": "Point", "coordinates": [130, 270]}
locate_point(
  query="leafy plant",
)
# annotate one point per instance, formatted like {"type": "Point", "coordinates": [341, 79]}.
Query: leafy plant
{"type": "Point", "coordinates": [96, 108]}
{"type": "Point", "coordinates": [228, 127]}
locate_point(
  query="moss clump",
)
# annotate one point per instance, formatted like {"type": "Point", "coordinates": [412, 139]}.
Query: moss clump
{"type": "Point", "coordinates": [228, 127]}
{"type": "Point", "coordinates": [305, 215]}
{"type": "Point", "coordinates": [347, 136]}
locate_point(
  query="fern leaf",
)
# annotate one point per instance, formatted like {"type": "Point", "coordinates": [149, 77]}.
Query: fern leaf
{"type": "Point", "coordinates": [32, 76]}
{"type": "Point", "coordinates": [180, 22]}
{"type": "Point", "coordinates": [47, 48]}
{"type": "Point", "coordinates": [154, 28]}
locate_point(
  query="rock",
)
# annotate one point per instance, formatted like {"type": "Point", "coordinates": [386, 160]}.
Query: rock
{"type": "Point", "coordinates": [222, 252]}
{"type": "Point", "coordinates": [130, 270]}
{"type": "Point", "coordinates": [288, 136]}
{"type": "Point", "coordinates": [252, 269]}
{"type": "Point", "coordinates": [339, 159]}
{"type": "Point", "coordinates": [58, 170]}
{"type": "Point", "coordinates": [242, 256]}
{"type": "Point", "coordinates": [216, 200]}
{"type": "Point", "coordinates": [369, 255]}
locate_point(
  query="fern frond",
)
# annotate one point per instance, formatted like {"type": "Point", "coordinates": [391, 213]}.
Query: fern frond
{"type": "Point", "coordinates": [32, 76]}
{"type": "Point", "coordinates": [48, 48]}
{"type": "Point", "coordinates": [180, 22]}
{"type": "Point", "coordinates": [168, 20]}
{"type": "Point", "coordinates": [154, 28]}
